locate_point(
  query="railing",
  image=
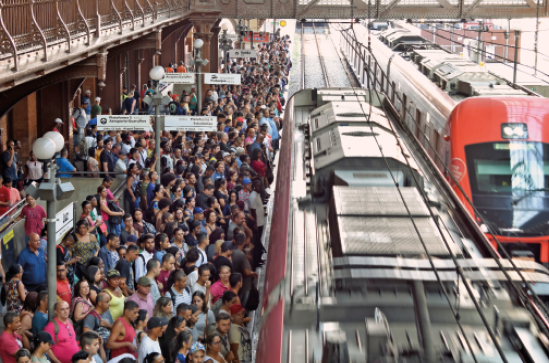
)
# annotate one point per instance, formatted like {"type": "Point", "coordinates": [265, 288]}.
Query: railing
{"type": "Point", "coordinates": [36, 25]}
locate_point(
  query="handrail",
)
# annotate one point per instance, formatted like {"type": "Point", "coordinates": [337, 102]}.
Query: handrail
{"type": "Point", "coordinates": [7, 219]}
{"type": "Point", "coordinates": [16, 206]}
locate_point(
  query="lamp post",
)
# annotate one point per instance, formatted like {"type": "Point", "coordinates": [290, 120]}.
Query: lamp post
{"type": "Point", "coordinates": [198, 62]}
{"type": "Point", "coordinates": [226, 46]}
{"type": "Point", "coordinates": [51, 191]}
{"type": "Point", "coordinates": [156, 74]}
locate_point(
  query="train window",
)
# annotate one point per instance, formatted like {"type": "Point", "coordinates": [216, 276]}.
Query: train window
{"type": "Point", "coordinates": [403, 115]}
{"type": "Point", "coordinates": [419, 127]}
{"type": "Point", "coordinates": [393, 94]}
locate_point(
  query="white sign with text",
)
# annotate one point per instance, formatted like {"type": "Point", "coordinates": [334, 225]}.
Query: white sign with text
{"type": "Point", "coordinates": [64, 221]}
{"type": "Point", "coordinates": [179, 78]}
{"type": "Point", "coordinates": [243, 53]}
{"type": "Point", "coordinates": [190, 123]}
{"type": "Point", "coordinates": [124, 122]}
{"type": "Point", "coordinates": [222, 78]}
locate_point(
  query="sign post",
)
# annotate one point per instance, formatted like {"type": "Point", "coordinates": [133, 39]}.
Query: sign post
{"type": "Point", "coordinates": [64, 221]}
{"type": "Point", "coordinates": [222, 78]}
{"type": "Point", "coordinates": [178, 78]}
{"type": "Point", "coordinates": [124, 122]}
{"type": "Point", "coordinates": [190, 123]}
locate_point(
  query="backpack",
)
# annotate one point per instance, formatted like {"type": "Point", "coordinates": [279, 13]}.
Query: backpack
{"type": "Point", "coordinates": [114, 208]}
{"type": "Point", "coordinates": [56, 329]}
{"type": "Point", "coordinates": [173, 297]}
{"type": "Point", "coordinates": [133, 267]}
{"type": "Point", "coordinates": [253, 299]}
{"type": "Point", "coordinates": [102, 331]}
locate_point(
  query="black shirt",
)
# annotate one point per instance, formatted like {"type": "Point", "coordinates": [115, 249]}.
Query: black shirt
{"type": "Point", "coordinates": [106, 157]}
{"type": "Point", "coordinates": [126, 271]}
{"type": "Point", "coordinates": [201, 201]}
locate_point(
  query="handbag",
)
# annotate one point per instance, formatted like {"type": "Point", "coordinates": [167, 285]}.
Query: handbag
{"type": "Point", "coordinates": [114, 208]}
{"type": "Point", "coordinates": [253, 299]}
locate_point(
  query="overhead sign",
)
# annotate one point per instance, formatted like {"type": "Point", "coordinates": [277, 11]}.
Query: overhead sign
{"type": "Point", "coordinates": [222, 78]}
{"type": "Point", "coordinates": [64, 221]}
{"type": "Point", "coordinates": [179, 78]}
{"type": "Point", "coordinates": [243, 53]}
{"type": "Point", "coordinates": [190, 123]}
{"type": "Point", "coordinates": [124, 122]}
{"type": "Point", "coordinates": [258, 37]}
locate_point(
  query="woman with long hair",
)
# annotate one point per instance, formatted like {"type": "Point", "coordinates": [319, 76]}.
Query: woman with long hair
{"type": "Point", "coordinates": [94, 277]}
{"type": "Point", "coordinates": [85, 246]}
{"type": "Point", "coordinates": [221, 285]}
{"type": "Point", "coordinates": [14, 291]}
{"type": "Point", "coordinates": [210, 216]}
{"type": "Point", "coordinates": [257, 164]}
{"type": "Point", "coordinates": [140, 324]}
{"type": "Point", "coordinates": [206, 317]}
{"type": "Point", "coordinates": [190, 203]}
{"type": "Point", "coordinates": [132, 197]}
{"type": "Point", "coordinates": [179, 347]}
{"type": "Point", "coordinates": [163, 308]}
{"type": "Point", "coordinates": [175, 326]}
{"type": "Point", "coordinates": [233, 198]}
{"type": "Point", "coordinates": [94, 227]}
{"type": "Point", "coordinates": [213, 353]}
{"type": "Point", "coordinates": [106, 213]}
{"type": "Point", "coordinates": [29, 307]}
{"type": "Point", "coordinates": [81, 305]}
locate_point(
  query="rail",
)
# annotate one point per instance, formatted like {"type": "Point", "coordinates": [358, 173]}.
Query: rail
{"type": "Point", "coordinates": [39, 25]}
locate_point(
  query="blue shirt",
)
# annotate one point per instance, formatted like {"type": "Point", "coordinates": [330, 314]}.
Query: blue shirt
{"type": "Point", "coordinates": [254, 146]}
{"type": "Point", "coordinates": [239, 162]}
{"type": "Point", "coordinates": [274, 130]}
{"type": "Point", "coordinates": [105, 255]}
{"type": "Point", "coordinates": [8, 171]}
{"type": "Point", "coordinates": [88, 106]}
{"type": "Point", "coordinates": [64, 165]}
{"type": "Point", "coordinates": [150, 193]}
{"type": "Point", "coordinates": [216, 176]}
{"type": "Point", "coordinates": [34, 266]}
{"type": "Point", "coordinates": [265, 121]}
{"type": "Point", "coordinates": [181, 110]}
{"type": "Point", "coordinates": [159, 255]}
{"type": "Point", "coordinates": [39, 322]}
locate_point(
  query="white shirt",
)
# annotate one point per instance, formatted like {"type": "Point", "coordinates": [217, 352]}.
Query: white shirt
{"type": "Point", "coordinates": [185, 297]}
{"type": "Point", "coordinates": [35, 170]}
{"type": "Point", "coordinates": [203, 258]}
{"type": "Point", "coordinates": [147, 346]}
{"type": "Point", "coordinates": [256, 203]}
{"type": "Point", "coordinates": [140, 266]}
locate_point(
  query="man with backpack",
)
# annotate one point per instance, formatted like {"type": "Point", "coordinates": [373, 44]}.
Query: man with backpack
{"type": "Point", "coordinates": [180, 293]}
{"type": "Point", "coordinates": [62, 331]}
{"type": "Point", "coordinates": [146, 242]}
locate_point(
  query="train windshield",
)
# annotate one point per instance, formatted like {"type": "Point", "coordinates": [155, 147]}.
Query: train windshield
{"type": "Point", "coordinates": [510, 184]}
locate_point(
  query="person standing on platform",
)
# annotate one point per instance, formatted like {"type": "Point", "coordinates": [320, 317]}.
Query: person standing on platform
{"type": "Point", "coordinates": [62, 332]}
{"type": "Point", "coordinates": [33, 261]}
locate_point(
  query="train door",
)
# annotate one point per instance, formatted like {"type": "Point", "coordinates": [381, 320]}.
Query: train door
{"type": "Point", "coordinates": [419, 126]}
{"type": "Point", "coordinates": [393, 94]}
{"type": "Point", "coordinates": [403, 112]}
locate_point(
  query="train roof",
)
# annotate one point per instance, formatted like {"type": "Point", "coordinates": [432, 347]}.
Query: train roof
{"type": "Point", "coordinates": [361, 255]}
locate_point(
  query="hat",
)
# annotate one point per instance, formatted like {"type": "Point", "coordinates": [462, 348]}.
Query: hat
{"type": "Point", "coordinates": [225, 154]}
{"type": "Point", "coordinates": [262, 107]}
{"type": "Point", "coordinates": [113, 273]}
{"type": "Point", "coordinates": [184, 228]}
{"type": "Point", "coordinates": [236, 308]}
{"type": "Point", "coordinates": [156, 322]}
{"type": "Point", "coordinates": [196, 347]}
{"type": "Point", "coordinates": [88, 91]}
{"type": "Point", "coordinates": [132, 238]}
{"type": "Point", "coordinates": [246, 181]}
{"type": "Point", "coordinates": [198, 210]}
{"type": "Point", "coordinates": [200, 156]}
{"type": "Point", "coordinates": [143, 281]}
{"type": "Point", "coordinates": [97, 99]}
{"type": "Point", "coordinates": [58, 121]}
{"type": "Point", "coordinates": [122, 152]}
{"type": "Point", "coordinates": [239, 151]}
{"type": "Point", "coordinates": [241, 119]}
{"type": "Point", "coordinates": [43, 337]}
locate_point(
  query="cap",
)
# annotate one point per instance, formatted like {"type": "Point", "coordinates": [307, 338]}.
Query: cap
{"type": "Point", "coordinates": [132, 237]}
{"type": "Point", "coordinates": [236, 308]}
{"type": "Point", "coordinates": [122, 152]}
{"type": "Point", "coordinates": [143, 281]}
{"type": "Point", "coordinates": [198, 210]}
{"type": "Point", "coordinates": [196, 347]}
{"type": "Point", "coordinates": [113, 273]}
{"type": "Point", "coordinates": [43, 337]}
{"type": "Point", "coordinates": [263, 106]}
{"type": "Point", "coordinates": [225, 154]}
{"type": "Point", "coordinates": [246, 181]}
{"type": "Point", "coordinates": [184, 228]}
{"type": "Point", "coordinates": [88, 91]}
{"type": "Point", "coordinates": [200, 156]}
{"type": "Point", "coordinates": [156, 322]}
{"type": "Point", "coordinates": [97, 99]}
{"type": "Point", "coordinates": [240, 119]}
{"type": "Point", "coordinates": [58, 121]}
{"type": "Point", "coordinates": [239, 151]}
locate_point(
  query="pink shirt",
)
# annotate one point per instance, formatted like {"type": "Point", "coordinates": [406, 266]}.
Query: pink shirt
{"type": "Point", "coordinates": [67, 346]}
{"type": "Point", "coordinates": [146, 304]}
{"type": "Point", "coordinates": [10, 344]}
{"type": "Point", "coordinates": [33, 219]}
{"type": "Point", "coordinates": [217, 290]}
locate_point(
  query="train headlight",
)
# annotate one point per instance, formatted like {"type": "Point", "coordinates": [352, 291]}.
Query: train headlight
{"type": "Point", "coordinates": [483, 228]}
{"type": "Point", "coordinates": [514, 131]}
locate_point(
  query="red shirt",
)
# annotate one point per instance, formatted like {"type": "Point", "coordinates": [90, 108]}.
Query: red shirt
{"type": "Point", "coordinates": [5, 196]}
{"type": "Point", "coordinates": [163, 279]}
{"type": "Point", "coordinates": [10, 343]}
{"type": "Point", "coordinates": [64, 290]}
{"type": "Point", "coordinates": [66, 345]}
{"type": "Point", "coordinates": [33, 219]}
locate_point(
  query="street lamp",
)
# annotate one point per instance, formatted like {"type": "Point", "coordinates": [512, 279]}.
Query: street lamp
{"type": "Point", "coordinates": [51, 191]}
{"type": "Point", "coordinates": [198, 62]}
{"type": "Point", "coordinates": [156, 74]}
{"type": "Point", "coordinates": [226, 46]}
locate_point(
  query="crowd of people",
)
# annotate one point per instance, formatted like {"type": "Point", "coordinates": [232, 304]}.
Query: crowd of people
{"type": "Point", "coordinates": [167, 273]}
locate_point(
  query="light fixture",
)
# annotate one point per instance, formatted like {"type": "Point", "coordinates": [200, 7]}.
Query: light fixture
{"type": "Point", "coordinates": [198, 43]}
{"type": "Point", "coordinates": [156, 73]}
{"type": "Point", "coordinates": [224, 27]}
{"type": "Point", "coordinates": [514, 131]}
{"type": "Point", "coordinates": [44, 148]}
{"type": "Point", "coordinates": [57, 139]}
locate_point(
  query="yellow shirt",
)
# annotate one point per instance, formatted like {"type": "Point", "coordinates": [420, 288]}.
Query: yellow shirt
{"type": "Point", "coordinates": [117, 305]}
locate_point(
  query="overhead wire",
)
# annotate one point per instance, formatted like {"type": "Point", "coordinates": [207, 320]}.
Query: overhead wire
{"type": "Point", "coordinates": [539, 303]}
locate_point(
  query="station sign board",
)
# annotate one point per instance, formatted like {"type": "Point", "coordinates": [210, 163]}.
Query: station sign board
{"type": "Point", "coordinates": [179, 78]}
{"type": "Point", "coordinates": [190, 123]}
{"type": "Point", "coordinates": [64, 221]}
{"type": "Point", "coordinates": [123, 122]}
{"type": "Point", "coordinates": [258, 37]}
{"type": "Point", "coordinates": [222, 78]}
{"type": "Point", "coordinates": [243, 53]}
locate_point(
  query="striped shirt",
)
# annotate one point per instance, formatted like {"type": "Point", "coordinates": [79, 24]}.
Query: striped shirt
{"type": "Point", "coordinates": [177, 298]}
